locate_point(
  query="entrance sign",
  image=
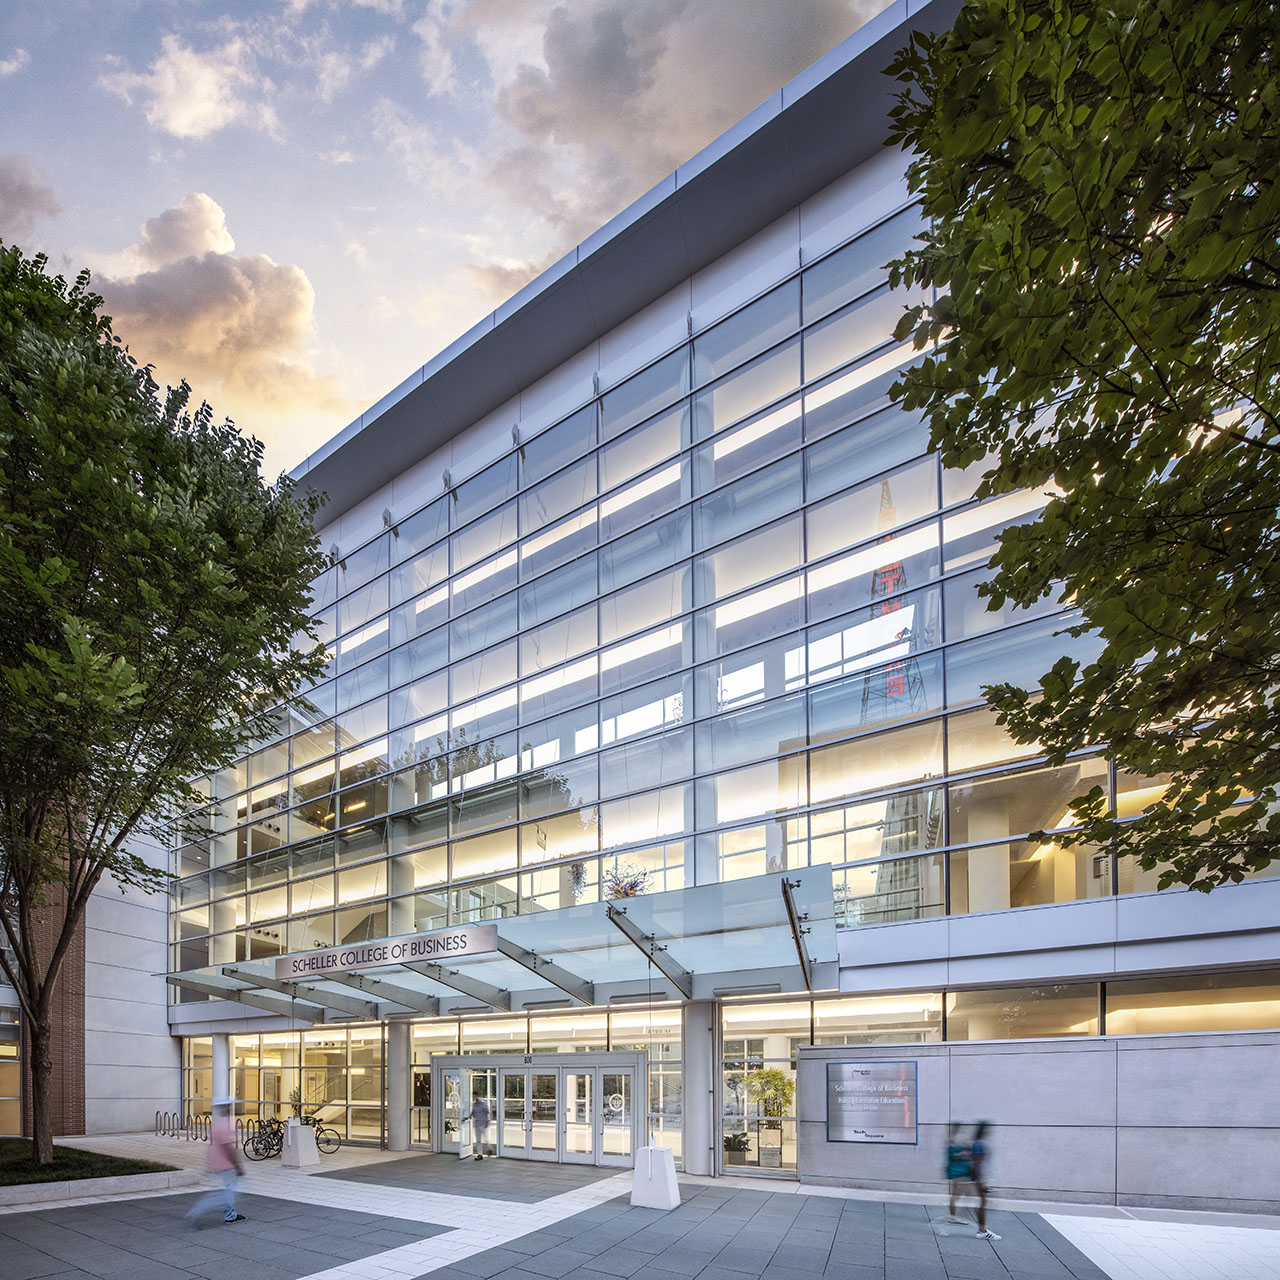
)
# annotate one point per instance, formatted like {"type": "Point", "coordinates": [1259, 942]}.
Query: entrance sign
{"type": "Point", "coordinates": [447, 944]}
{"type": "Point", "coordinates": [871, 1102]}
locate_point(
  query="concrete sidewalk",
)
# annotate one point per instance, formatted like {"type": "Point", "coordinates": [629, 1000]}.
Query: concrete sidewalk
{"type": "Point", "coordinates": [390, 1216]}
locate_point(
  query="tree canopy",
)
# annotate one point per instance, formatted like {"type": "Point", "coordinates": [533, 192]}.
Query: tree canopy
{"type": "Point", "coordinates": [154, 611]}
{"type": "Point", "coordinates": [1100, 180]}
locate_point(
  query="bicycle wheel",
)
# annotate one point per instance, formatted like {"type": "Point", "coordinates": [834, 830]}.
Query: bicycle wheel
{"type": "Point", "coordinates": [327, 1140]}
{"type": "Point", "coordinates": [257, 1146]}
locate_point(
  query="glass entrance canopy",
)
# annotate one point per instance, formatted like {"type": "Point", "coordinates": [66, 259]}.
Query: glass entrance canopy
{"type": "Point", "coordinates": [772, 933]}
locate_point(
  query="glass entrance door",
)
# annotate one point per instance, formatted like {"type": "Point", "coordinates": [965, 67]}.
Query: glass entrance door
{"type": "Point", "coordinates": [617, 1117]}
{"type": "Point", "coordinates": [598, 1115]}
{"type": "Point", "coordinates": [420, 1107]}
{"type": "Point", "coordinates": [514, 1128]}
{"type": "Point", "coordinates": [544, 1138]}
{"type": "Point", "coordinates": [563, 1107]}
{"type": "Point", "coordinates": [579, 1117]}
{"type": "Point", "coordinates": [453, 1106]}
{"type": "Point", "coordinates": [530, 1111]}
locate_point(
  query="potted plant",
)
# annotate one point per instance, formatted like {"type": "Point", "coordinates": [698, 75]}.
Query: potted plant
{"type": "Point", "coordinates": [773, 1091]}
{"type": "Point", "coordinates": [736, 1146]}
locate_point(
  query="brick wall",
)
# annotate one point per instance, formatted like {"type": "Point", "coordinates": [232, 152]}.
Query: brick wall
{"type": "Point", "coordinates": [68, 1032]}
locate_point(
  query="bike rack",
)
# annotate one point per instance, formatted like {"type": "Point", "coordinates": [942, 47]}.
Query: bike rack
{"type": "Point", "coordinates": [172, 1124]}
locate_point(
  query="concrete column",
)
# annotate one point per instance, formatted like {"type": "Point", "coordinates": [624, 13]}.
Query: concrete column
{"type": "Point", "coordinates": [989, 868]}
{"type": "Point", "coordinates": [701, 1130]}
{"type": "Point", "coordinates": [223, 948]}
{"type": "Point", "coordinates": [399, 1094]}
{"type": "Point", "coordinates": [220, 1086]}
{"type": "Point", "coordinates": [1067, 885]}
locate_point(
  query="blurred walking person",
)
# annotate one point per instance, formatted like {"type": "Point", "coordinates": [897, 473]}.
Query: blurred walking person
{"type": "Point", "coordinates": [225, 1164]}
{"type": "Point", "coordinates": [479, 1123]}
{"type": "Point", "coordinates": [967, 1163]}
{"type": "Point", "coordinates": [979, 1154]}
{"type": "Point", "coordinates": [959, 1166]}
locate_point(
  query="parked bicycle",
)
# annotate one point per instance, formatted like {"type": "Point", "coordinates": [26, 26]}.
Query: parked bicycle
{"type": "Point", "coordinates": [267, 1139]}
{"type": "Point", "coordinates": [327, 1140]}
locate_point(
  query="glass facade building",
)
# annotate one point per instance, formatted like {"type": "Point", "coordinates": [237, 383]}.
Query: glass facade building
{"type": "Point", "coordinates": [689, 604]}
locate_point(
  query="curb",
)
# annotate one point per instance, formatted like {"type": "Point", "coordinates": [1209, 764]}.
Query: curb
{"type": "Point", "coordinates": [81, 1188]}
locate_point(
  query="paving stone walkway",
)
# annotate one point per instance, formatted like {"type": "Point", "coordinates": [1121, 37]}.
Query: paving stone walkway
{"type": "Point", "coordinates": [492, 1179]}
{"type": "Point", "coordinates": [744, 1235]}
{"type": "Point", "coordinates": [368, 1215]}
{"type": "Point", "coordinates": [147, 1239]}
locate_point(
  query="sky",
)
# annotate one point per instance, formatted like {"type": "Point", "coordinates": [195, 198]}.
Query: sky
{"type": "Point", "coordinates": [293, 204]}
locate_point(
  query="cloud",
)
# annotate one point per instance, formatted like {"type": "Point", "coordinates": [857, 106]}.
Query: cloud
{"type": "Point", "coordinates": [625, 93]}
{"type": "Point", "coordinates": [238, 328]}
{"type": "Point", "coordinates": [189, 94]}
{"type": "Point", "coordinates": [375, 50]}
{"type": "Point", "coordinates": [498, 281]}
{"type": "Point", "coordinates": [421, 149]}
{"type": "Point", "coordinates": [24, 199]}
{"type": "Point", "coordinates": [11, 66]}
{"type": "Point", "coordinates": [436, 31]}
{"type": "Point", "coordinates": [594, 102]}
{"type": "Point", "coordinates": [335, 68]}
{"type": "Point", "coordinates": [190, 229]}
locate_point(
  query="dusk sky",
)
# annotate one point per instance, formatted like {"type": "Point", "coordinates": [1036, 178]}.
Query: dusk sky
{"type": "Point", "coordinates": [295, 203]}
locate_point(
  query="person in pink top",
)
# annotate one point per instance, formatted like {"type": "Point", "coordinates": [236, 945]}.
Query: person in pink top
{"type": "Point", "coordinates": [225, 1164]}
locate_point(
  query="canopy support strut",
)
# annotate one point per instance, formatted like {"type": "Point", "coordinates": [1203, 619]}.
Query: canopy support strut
{"type": "Point", "coordinates": [658, 953]}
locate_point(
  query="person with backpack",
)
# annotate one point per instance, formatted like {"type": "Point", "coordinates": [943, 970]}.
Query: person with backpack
{"type": "Point", "coordinates": [966, 1162]}
{"type": "Point", "coordinates": [959, 1166]}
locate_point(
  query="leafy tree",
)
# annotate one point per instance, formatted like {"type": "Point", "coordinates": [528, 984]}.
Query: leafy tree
{"type": "Point", "coordinates": [152, 591]}
{"type": "Point", "coordinates": [1101, 180]}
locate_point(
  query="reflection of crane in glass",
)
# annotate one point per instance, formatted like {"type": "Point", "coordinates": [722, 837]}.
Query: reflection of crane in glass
{"type": "Point", "coordinates": [890, 691]}
{"type": "Point", "coordinates": [885, 687]}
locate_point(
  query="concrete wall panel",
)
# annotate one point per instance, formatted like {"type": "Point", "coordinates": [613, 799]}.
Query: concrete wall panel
{"type": "Point", "coordinates": [1057, 925]}
{"type": "Point", "coordinates": [1225, 1084]}
{"type": "Point", "coordinates": [893, 943]}
{"type": "Point", "coordinates": [1173, 1121]}
{"type": "Point", "coordinates": [1210, 1167]}
{"type": "Point", "coordinates": [131, 1060]}
{"type": "Point", "coordinates": [1063, 1084]}
{"type": "Point", "coordinates": [1178, 912]}
{"type": "Point", "coordinates": [1050, 1162]}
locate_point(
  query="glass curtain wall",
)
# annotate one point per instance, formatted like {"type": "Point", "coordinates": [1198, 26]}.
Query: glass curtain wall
{"type": "Point", "coordinates": [336, 1073]}
{"type": "Point", "coordinates": [720, 621]}
{"type": "Point", "coordinates": [758, 1061]}
{"type": "Point", "coordinates": [758, 1043]}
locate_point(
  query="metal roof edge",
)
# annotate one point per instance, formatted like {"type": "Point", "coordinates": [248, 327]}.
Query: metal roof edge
{"type": "Point", "coordinates": [422, 412]}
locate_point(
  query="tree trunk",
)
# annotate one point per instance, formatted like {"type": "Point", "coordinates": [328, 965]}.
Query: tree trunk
{"type": "Point", "coordinates": [40, 1074]}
